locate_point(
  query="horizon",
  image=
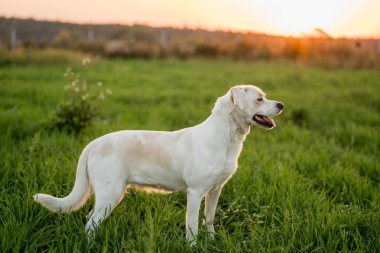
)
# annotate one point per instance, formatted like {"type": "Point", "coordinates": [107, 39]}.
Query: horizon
{"type": "Point", "coordinates": [194, 28]}
{"type": "Point", "coordinates": [343, 19]}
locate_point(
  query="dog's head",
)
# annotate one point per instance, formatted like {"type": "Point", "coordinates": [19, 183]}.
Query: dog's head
{"type": "Point", "coordinates": [250, 103]}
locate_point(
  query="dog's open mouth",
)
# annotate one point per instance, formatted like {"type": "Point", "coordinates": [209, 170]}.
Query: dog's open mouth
{"type": "Point", "coordinates": [264, 121]}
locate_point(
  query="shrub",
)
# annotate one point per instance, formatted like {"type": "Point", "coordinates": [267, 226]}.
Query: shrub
{"type": "Point", "coordinates": [292, 49]}
{"type": "Point", "coordinates": [243, 50]}
{"type": "Point", "coordinates": [81, 105]}
{"type": "Point", "coordinates": [207, 50]}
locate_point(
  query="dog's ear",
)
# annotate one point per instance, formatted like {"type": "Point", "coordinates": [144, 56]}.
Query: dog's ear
{"type": "Point", "coordinates": [238, 97]}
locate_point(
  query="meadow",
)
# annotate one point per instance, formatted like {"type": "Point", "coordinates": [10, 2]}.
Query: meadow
{"type": "Point", "coordinates": [310, 185]}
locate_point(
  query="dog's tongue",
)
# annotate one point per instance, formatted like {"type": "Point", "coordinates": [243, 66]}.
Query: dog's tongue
{"type": "Point", "coordinates": [265, 120]}
{"type": "Point", "coordinates": [271, 122]}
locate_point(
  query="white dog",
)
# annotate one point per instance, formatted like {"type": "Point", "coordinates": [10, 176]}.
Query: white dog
{"type": "Point", "coordinates": [198, 160]}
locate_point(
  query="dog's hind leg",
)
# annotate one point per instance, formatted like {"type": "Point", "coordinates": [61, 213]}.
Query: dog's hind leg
{"type": "Point", "coordinates": [107, 196]}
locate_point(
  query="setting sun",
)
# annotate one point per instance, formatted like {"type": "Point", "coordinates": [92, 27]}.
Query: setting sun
{"type": "Point", "coordinates": [297, 16]}
{"type": "Point", "coordinates": [292, 17]}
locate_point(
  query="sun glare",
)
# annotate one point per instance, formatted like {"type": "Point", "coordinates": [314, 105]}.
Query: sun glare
{"type": "Point", "coordinates": [295, 17]}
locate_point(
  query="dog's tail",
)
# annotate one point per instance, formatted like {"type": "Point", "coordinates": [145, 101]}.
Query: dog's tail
{"type": "Point", "coordinates": [78, 196]}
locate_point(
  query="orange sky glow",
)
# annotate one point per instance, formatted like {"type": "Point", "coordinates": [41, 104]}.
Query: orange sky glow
{"type": "Point", "coordinates": [340, 18]}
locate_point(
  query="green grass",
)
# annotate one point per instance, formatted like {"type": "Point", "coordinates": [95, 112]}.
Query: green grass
{"type": "Point", "coordinates": [310, 185]}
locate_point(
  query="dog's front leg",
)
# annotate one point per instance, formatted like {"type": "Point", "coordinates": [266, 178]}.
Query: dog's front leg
{"type": "Point", "coordinates": [211, 201]}
{"type": "Point", "coordinates": [194, 199]}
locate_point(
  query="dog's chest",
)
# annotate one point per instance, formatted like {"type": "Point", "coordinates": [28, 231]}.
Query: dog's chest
{"type": "Point", "coordinates": [223, 164]}
{"type": "Point", "coordinates": [222, 173]}
{"type": "Point", "coordinates": [230, 162]}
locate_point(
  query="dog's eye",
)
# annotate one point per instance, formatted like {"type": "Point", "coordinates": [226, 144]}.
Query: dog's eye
{"type": "Point", "coordinates": [260, 99]}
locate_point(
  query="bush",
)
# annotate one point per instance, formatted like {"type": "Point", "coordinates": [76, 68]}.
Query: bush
{"type": "Point", "coordinates": [206, 50]}
{"type": "Point", "coordinates": [292, 49]}
{"type": "Point", "coordinates": [81, 106]}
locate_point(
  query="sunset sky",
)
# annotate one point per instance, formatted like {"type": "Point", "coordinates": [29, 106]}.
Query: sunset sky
{"type": "Point", "coordinates": [350, 18]}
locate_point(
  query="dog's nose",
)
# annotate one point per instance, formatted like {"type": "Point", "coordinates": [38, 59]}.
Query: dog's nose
{"type": "Point", "coordinates": [280, 106]}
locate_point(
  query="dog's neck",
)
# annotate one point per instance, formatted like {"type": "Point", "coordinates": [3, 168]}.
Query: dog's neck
{"type": "Point", "coordinates": [239, 121]}
{"type": "Point", "coordinates": [225, 110]}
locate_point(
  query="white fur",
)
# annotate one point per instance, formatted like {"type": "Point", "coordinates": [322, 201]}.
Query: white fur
{"type": "Point", "coordinates": [198, 160]}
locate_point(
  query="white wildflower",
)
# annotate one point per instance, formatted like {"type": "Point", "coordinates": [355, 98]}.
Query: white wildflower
{"type": "Point", "coordinates": [85, 96]}
{"type": "Point", "coordinates": [86, 61]}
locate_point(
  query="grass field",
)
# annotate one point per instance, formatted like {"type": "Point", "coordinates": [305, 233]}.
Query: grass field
{"type": "Point", "coordinates": [310, 185]}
